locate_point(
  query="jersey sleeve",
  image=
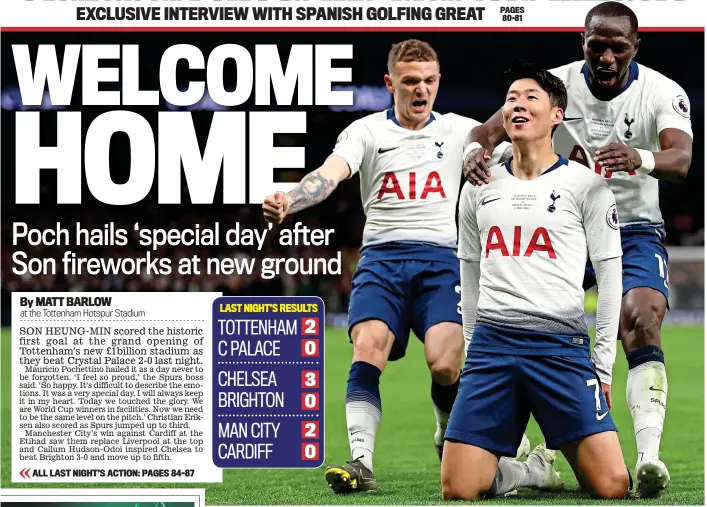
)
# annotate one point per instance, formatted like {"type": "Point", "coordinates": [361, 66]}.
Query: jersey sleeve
{"type": "Point", "coordinates": [557, 72]}
{"type": "Point", "coordinates": [672, 107]}
{"type": "Point", "coordinates": [601, 221]}
{"type": "Point", "coordinates": [351, 145]}
{"type": "Point", "coordinates": [563, 72]}
{"type": "Point", "coordinates": [501, 153]}
{"type": "Point", "coordinates": [461, 126]}
{"type": "Point", "coordinates": [469, 242]}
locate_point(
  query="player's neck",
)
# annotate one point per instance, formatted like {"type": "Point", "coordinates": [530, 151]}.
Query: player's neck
{"type": "Point", "coordinates": [610, 93]}
{"type": "Point", "coordinates": [606, 94]}
{"type": "Point", "coordinates": [532, 159]}
{"type": "Point", "coordinates": [409, 123]}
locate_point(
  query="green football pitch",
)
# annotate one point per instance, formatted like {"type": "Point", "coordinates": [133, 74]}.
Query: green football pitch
{"type": "Point", "coordinates": [406, 465]}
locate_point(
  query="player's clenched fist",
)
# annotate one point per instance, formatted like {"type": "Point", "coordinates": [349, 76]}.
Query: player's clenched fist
{"type": "Point", "coordinates": [275, 207]}
{"type": "Point", "coordinates": [475, 168]}
{"type": "Point", "coordinates": [618, 157]}
{"type": "Point", "coordinates": [606, 389]}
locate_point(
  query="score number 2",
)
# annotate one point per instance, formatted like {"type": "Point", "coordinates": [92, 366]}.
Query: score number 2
{"type": "Point", "coordinates": [310, 325]}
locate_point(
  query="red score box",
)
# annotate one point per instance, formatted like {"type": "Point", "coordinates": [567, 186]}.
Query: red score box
{"type": "Point", "coordinates": [310, 325]}
{"type": "Point", "coordinates": [310, 347]}
{"type": "Point", "coordinates": [310, 379]}
{"type": "Point", "coordinates": [310, 451]}
{"type": "Point", "coordinates": [310, 401]}
{"type": "Point", "coordinates": [310, 429]}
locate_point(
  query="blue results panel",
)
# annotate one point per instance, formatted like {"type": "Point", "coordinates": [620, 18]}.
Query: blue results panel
{"type": "Point", "coordinates": [268, 382]}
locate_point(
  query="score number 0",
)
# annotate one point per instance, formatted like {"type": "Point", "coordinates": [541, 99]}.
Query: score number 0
{"type": "Point", "coordinates": [310, 451]}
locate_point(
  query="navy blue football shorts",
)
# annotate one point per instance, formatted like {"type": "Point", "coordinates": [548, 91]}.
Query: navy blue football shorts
{"type": "Point", "coordinates": [409, 286]}
{"type": "Point", "coordinates": [499, 392]}
{"type": "Point", "coordinates": [645, 260]}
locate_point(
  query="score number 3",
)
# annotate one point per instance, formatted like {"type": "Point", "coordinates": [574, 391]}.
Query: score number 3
{"type": "Point", "coordinates": [310, 379]}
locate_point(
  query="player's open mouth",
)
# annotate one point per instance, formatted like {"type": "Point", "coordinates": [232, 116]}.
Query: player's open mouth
{"type": "Point", "coordinates": [418, 106]}
{"type": "Point", "coordinates": [606, 77]}
{"type": "Point", "coordinates": [520, 119]}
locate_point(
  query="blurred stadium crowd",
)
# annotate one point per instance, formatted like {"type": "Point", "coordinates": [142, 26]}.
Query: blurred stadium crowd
{"type": "Point", "coordinates": [682, 205]}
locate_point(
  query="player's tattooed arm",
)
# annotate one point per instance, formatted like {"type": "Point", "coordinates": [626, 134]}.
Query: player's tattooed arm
{"type": "Point", "coordinates": [318, 185]}
{"type": "Point", "coordinates": [313, 189]}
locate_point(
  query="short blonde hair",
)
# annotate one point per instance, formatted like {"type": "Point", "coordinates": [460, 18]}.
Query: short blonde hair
{"type": "Point", "coordinates": [412, 50]}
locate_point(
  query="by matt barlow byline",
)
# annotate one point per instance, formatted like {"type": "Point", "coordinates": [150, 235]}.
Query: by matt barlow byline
{"type": "Point", "coordinates": [309, 69]}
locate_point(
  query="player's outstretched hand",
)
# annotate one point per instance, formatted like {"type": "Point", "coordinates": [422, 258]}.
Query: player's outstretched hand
{"type": "Point", "coordinates": [475, 169]}
{"type": "Point", "coordinates": [616, 157]}
{"type": "Point", "coordinates": [606, 389]}
{"type": "Point", "coordinates": [275, 207]}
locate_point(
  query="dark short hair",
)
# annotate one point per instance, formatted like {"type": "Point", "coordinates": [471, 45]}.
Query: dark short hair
{"type": "Point", "coordinates": [612, 10]}
{"type": "Point", "coordinates": [551, 84]}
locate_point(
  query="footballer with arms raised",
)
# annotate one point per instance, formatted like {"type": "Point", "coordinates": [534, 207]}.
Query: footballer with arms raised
{"type": "Point", "coordinates": [523, 245]}
{"type": "Point", "coordinates": [631, 125]}
{"type": "Point", "coordinates": [409, 162]}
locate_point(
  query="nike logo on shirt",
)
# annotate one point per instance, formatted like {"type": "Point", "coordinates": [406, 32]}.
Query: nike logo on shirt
{"type": "Point", "coordinates": [385, 150]}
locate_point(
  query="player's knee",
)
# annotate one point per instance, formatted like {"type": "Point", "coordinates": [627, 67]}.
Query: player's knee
{"type": "Point", "coordinates": [454, 488]}
{"type": "Point", "coordinates": [646, 321]}
{"type": "Point", "coordinates": [444, 348]}
{"type": "Point", "coordinates": [613, 485]}
{"type": "Point", "coordinates": [370, 341]}
{"type": "Point", "coordinates": [445, 372]}
{"type": "Point", "coordinates": [445, 367]}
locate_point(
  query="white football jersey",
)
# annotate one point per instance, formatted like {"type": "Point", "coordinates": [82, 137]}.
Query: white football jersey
{"type": "Point", "coordinates": [409, 178]}
{"type": "Point", "coordinates": [649, 104]}
{"type": "Point", "coordinates": [532, 238]}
